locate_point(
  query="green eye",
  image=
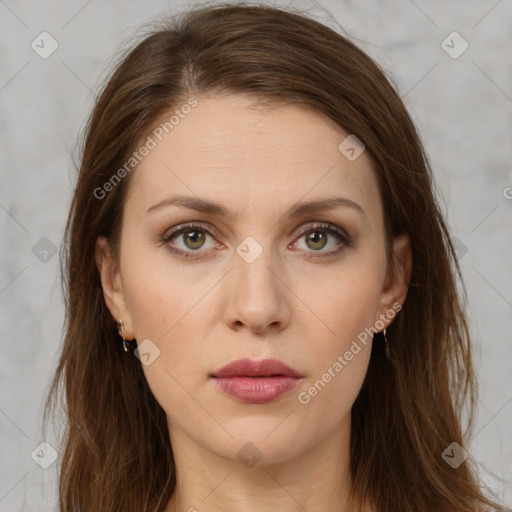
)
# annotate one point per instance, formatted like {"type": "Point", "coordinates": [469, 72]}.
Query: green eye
{"type": "Point", "coordinates": [194, 238]}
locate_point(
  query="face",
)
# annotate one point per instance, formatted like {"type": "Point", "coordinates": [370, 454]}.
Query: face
{"type": "Point", "coordinates": [254, 276]}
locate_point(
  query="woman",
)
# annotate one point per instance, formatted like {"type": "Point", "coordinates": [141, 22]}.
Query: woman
{"type": "Point", "coordinates": [262, 307]}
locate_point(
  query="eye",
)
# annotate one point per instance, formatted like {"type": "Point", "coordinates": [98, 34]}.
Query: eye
{"type": "Point", "coordinates": [192, 237]}
{"type": "Point", "coordinates": [319, 236]}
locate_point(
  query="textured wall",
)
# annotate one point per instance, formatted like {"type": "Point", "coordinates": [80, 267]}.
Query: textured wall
{"type": "Point", "coordinates": [461, 99]}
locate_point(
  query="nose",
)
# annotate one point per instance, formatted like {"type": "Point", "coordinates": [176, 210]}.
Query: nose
{"type": "Point", "coordinates": [257, 298]}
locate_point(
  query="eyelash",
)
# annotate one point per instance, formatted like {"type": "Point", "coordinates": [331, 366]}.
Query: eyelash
{"type": "Point", "coordinates": [326, 227]}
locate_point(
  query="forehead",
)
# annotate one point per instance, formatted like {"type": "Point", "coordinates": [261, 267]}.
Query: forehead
{"type": "Point", "coordinates": [229, 149]}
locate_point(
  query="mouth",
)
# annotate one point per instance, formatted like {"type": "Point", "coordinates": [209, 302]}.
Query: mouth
{"type": "Point", "coordinates": [256, 382]}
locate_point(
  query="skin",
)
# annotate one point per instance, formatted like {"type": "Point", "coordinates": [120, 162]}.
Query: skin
{"type": "Point", "coordinates": [290, 303]}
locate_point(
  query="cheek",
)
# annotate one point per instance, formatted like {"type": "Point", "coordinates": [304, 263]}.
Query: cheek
{"type": "Point", "coordinates": [338, 365]}
{"type": "Point", "coordinates": [339, 361]}
{"type": "Point", "coordinates": [349, 301]}
{"type": "Point", "coordinates": [158, 294]}
{"type": "Point", "coordinates": [329, 395]}
{"type": "Point", "coordinates": [169, 305]}
{"type": "Point", "coordinates": [165, 306]}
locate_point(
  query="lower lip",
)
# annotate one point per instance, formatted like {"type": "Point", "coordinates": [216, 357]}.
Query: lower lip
{"type": "Point", "coordinates": [256, 390]}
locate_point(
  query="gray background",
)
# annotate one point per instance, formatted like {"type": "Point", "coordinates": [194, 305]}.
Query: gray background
{"type": "Point", "coordinates": [462, 106]}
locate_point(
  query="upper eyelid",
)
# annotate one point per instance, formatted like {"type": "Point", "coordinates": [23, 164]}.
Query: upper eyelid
{"type": "Point", "coordinates": [180, 228]}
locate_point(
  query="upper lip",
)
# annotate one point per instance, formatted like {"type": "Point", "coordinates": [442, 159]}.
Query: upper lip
{"type": "Point", "coordinates": [253, 368]}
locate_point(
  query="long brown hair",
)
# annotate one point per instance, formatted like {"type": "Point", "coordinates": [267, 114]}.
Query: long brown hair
{"type": "Point", "coordinates": [116, 454]}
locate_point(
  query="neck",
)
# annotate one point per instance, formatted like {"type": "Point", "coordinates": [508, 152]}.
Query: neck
{"type": "Point", "coordinates": [317, 479]}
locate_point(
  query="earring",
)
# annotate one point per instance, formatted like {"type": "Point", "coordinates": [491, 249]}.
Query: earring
{"type": "Point", "coordinates": [120, 328]}
{"type": "Point", "coordinates": [386, 344]}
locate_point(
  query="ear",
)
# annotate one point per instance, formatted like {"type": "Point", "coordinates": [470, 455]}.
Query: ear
{"type": "Point", "coordinates": [112, 285]}
{"type": "Point", "coordinates": [398, 276]}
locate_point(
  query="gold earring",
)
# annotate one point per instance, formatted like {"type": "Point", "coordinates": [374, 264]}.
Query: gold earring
{"type": "Point", "coordinates": [120, 328]}
{"type": "Point", "coordinates": [386, 344]}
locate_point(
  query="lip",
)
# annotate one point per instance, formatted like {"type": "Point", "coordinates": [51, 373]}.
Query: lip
{"type": "Point", "coordinates": [252, 368]}
{"type": "Point", "coordinates": [256, 382]}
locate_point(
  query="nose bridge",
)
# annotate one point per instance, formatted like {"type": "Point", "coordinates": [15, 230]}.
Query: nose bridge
{"type": "Point", "coordinates": [254, 266]}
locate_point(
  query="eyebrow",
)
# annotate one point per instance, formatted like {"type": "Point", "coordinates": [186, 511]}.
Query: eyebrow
{"type": "Point", "coordinates": [295, 210]}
